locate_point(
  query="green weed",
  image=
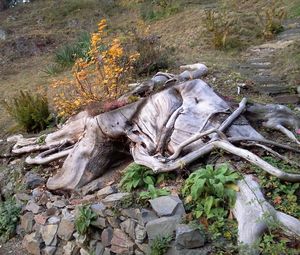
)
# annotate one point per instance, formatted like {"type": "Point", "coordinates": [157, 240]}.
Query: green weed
{"type": "Point", "coordinates": [84, 219]}
{"type": "Point", "coordinates": [152, 193]}
{"type": "Point", "coordinates": [160, 245]}
{"type": "Point", "coordinates": [210, 192]}
{"type": "Point", "coordinates": [9, 217]}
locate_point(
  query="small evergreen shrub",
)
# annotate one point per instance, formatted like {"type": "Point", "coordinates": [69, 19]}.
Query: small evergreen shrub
{"type": "Point", "coordinates": [30, 111]}
{"type": "Point", "coordinates": [9, 217]}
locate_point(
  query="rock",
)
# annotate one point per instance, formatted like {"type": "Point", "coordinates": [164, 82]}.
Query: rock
{"type": "Point", "coordinates": [33, 207]}
{"type": "Point", "coordinates": [100, 223]}
{"type": "Point", "coordinates": [49, 250]}
{"type": "Point", "coordinates": [71, 249]}
{"type": "Point", "coordinates": [106, 236]}
{"type": "Point", "coordinates": [99, 209]}
{"type": "Point", "coordinates": [146, 216]}
{"type": "Point", "coordinates": [51, 211]}
{"type": "Point", "coordinates": [298, 90]}
{"type": "Point", "coordinates": [113, 199]}
{"type": "Point", "coordinates": [92, 186]}
{"type": "Point", "coordinates": [162, 227]}
{"type": "Point", "coordinates": [84, 252]}
{"type": "Point", "coordinates": [80, 239]}
{"type": "Point", "coordinates": [48, 233]}
{"type": "Point", "coordinates": [164, 205]}
{"type": "Point", "coordinates": [40, 219]}
{"type": "Point", "coordinates": [3, 34]}
{"type": "Point", "coordinates": [273, 89]}
{"type": "Point", "coordinates": [33, 180]}
{"type": "Point", "coordinates": [140, 234]}
{"type": "Point", "coordinates": [54, 220]}
{"type": "Point", "coordinates": [44, 199]}
{"type": "Point", "coordinates": [287, 99]}
{"type": "Point", "coordinates": [128, 226]}
{"type": "Point", "coordinates": [144, 247]}
{"type": "Point", "coordinates": [206, 250]}
{"type": "Point", "coordinates": [59, 204]}
{"type": "Point", "coordinates": [131, 213]}
{"type": "Point", "coordinates": [23, 197]}
{"type": "Point", "coordinates": [121, 243]}
{"type": "Point", "coordinates": [32, 244]}
{"type": "Point", "coordinates": [106, 191]}
{"type": "Point", "coordinates": [99, 249]}
{"type": "Point", "coordinates": [107, 251]}
{"type": "Point", "coordinates": [27, 222]}
{"type": "Point", "coordinates": [114, 222]}
{"type": "Point", "coordinates": [66, 229]}
{"type": "Point", "coordinates": [189, 237]}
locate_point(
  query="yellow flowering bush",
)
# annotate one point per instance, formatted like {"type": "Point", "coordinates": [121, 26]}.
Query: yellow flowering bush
{"type": "Point", "coordinates": [102, 77]}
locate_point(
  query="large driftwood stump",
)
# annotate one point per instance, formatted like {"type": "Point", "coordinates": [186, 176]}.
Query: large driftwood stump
{"type": "Point", "coordinates": [169, 130]}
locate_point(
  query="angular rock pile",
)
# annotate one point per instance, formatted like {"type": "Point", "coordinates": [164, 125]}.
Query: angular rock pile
{"type": "Point", "coordinates": [48, 225]}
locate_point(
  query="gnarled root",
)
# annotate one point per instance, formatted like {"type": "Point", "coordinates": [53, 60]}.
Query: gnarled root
{"type": "Point", "coordinates": [253, 214]}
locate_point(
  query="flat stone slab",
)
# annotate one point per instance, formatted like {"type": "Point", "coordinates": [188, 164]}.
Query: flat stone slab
{"type": "Point", "coordinates": [274, 89]}
{"type": "Point", "coordinates": [189, 237]}
{"type": "Point", "coordinates": [287, 99]}
{"type": "Point", "coordinates": [164, 206]}
{"type": "Point", "coordinates": [162, 226]}
{"type": "Point", "coordinates": [111, 200]}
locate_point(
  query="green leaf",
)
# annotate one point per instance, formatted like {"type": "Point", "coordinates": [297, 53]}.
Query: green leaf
{"type": "Point", "coordinates": [208, 204]}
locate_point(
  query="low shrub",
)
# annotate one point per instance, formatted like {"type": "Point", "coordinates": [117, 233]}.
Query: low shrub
{"type": "Point", "coordinates": [30, 111]}
{"type": "Point", "coordinates": [9, 217]}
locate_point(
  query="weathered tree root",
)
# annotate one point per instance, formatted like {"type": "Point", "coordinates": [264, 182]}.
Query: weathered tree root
{"type": "Point", "coordinates": [254, 215]}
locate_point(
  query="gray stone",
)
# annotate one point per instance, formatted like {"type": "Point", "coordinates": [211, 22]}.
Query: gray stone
{"type": "Point", "coordinates": [113, 199]}
{"type": "Point", "coordinates": [33, 207]}
{"type": "Point", "coordinates": [100, 223]}
{"type": "Point", "coordinates": [33, 180]}
{"type": "Point", "coordinates": [99, 249]}
{"type": "Point", "coordinates": [144, 247]}
{"type": "Point", "coordinates": [66, 229]}
{"type": "Point", "coordinates": [48, 233]}
{"type": "Point", "coordinates": [121, 243]}
{"type": "Point", "coordinates": [107, 251]}
{"type": "Point", "coordinates": [128, 226]}
{"type": "Point", "coordinates": [189, 237]}
{"type": "Point", "coordinates": [71, 249]}
{"type": "Point", "coordinates": [99, 209]}
{"type": "Point", "coordinates": [32, 244]}
{"type": "Point", "coordinates": [23, 197]}
{"type": "Point", "coordinates": [84, 252]}
{"type": "Point", "coordinates": [27, 222]}
{"type": "Point", "coordinates": [92, 186]}
{"type": "Point", "coordinates": [140, 233]}
{"type": "Point", "coordinates": [106, 236]}
{"type": "Point", "coordinates": [54, 220]}
{"type": "Point", "coordinates": [114, 222]}
{"type": "Point", "coordinates": [59, 204]}
{"type": "Point", "coordinates": [146, 216]}
{"type": "Point", "coordinates": [298, 89]}
{"type": "Point", "coordinates": [207, 249]}
{"type": "Point", "coordinates": [49, 250]}
{"type": "Point", "coordinates": [273, 89]}
{"type": "Point", "coordinates": [133, 213]}
{"type": "Point", "coordinates": [14, 138]}
{"type": "Point", "coordinates": [162, 227]}
{"type": "Point", "coordinates": [106, 191]}
{"type": "Point", "coordinates": [164, 206]}
{"type": "Point", "coordinates": [80, 239]}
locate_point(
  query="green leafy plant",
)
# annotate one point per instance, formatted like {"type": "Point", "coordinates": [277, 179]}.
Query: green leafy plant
{"type": "Point", "coordinates": [281, 194]}
{"type": "Point", "coordinates": [137, 176]}
{"type": "Point", "coordinates": [160, 245]}
{"type": "Point", "coordinates": [30, 111]}
{"type": "Point", "coordinates": [9, 217]}
{"type": "Point", "coordinates": [84, 219]}
{"type": "Point", "coordinates": [210, 192]}
{"type": "Point", "coordinates": [152, 193]}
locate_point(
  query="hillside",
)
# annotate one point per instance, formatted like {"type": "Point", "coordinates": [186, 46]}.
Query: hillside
{"type": "Point", "coordinates": [157, 161]}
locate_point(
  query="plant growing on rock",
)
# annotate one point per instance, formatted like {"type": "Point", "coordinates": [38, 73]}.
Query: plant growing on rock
{"type": "Point", "coordinates": [9, 217]}
{"type": "Point", "coordinates": [30, 111]}
{"type": "Point", "coordinates": [102, 77]}
{"type": "Point", "coordinates": [210, 192]}
{"type": "Point", "coordinates": [84, 219]}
